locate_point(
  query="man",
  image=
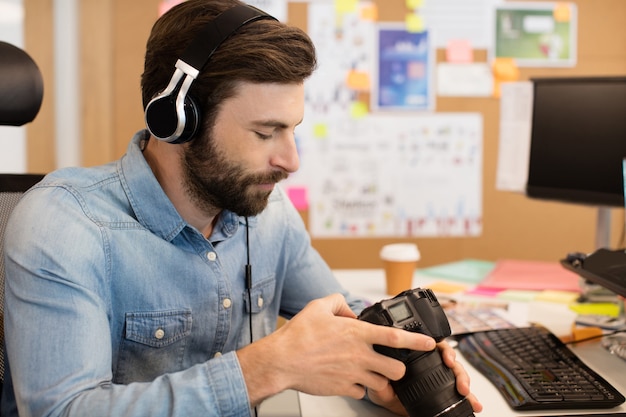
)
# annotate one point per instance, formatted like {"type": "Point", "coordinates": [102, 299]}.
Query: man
{"type": "Point", "coordinates": [136, 288]}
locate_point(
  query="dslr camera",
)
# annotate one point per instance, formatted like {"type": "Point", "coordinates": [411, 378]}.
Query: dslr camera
{"type": "Point", "coordinates": [428, 388]}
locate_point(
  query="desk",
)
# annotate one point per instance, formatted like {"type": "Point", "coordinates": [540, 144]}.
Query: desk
{"type": "Point", "coordinates": [558, 318]}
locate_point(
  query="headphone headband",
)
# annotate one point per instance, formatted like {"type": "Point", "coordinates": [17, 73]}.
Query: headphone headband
{"type": "Point", "coordinates": [175, 118]}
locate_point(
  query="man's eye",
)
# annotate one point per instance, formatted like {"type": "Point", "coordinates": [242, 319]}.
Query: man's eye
{"type": "Point", "coordinates": [263, 136]}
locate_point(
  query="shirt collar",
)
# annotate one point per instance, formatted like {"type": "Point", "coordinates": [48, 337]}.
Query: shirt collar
{"type": "Point", "coordinates": [153, 208]}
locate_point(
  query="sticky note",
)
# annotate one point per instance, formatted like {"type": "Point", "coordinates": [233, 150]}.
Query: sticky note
{"type": "Point", "coordinates": [459, 51]}
{"type": "Point", "coordinates": [358, 109]}
{"type": "Point", "coordinates": [446, 287]}
{"type": "Point", "coordinates": [414, 23]}
{"type": "Point", "coordinates": [504, 70]}
{"type": "Point", "coordinates": [562, 12]}
{"type": "Point", "coordinates": [345, 6]}
{"type": "Point", "coordinates": [358, 80]}
{"type": "Point", "coordinates": [563, 297]}
{"type": "Point", "coordinates": [369, 12]}
{"type": "Point", "coordinates": [320, 130]}
{"type": "Point", "coordinates": [298, 196]}
{"type": "Point", "coordinates": [414, 4]}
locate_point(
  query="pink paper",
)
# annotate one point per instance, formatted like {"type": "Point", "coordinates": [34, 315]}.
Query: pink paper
{"type": "Point", "coordinates": [530, 275]}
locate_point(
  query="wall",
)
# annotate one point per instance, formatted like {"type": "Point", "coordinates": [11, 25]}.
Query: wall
{"type": "Point", "coordinates": [114, 34]}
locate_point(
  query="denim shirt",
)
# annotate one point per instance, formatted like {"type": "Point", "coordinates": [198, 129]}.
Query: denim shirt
{"type": "Point", "coordinates": [115, 306]}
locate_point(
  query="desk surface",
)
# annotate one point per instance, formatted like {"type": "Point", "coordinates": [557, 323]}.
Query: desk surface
{"type": "Point", "coordinates": [558, 318]}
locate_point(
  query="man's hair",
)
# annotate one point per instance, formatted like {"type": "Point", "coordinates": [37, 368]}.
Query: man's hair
{"type": "Point", "coordinates": [264, 51]}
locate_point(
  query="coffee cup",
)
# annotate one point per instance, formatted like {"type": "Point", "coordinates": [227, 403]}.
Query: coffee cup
{"type": "Point", "coordinates": [399, 261]}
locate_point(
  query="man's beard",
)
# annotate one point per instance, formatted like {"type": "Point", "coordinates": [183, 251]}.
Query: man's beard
{"type": "Point", "coordinates": [213, 182]}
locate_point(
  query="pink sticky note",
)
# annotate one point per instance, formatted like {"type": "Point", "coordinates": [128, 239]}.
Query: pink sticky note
{"type": "Point", "coordinates": [459, 51]}
{"type": "Point", "coordinates": [298, 197]}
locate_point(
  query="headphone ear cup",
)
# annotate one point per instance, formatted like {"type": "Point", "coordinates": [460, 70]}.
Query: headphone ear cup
{"type": "Point", "coordinates": [192, 121]}
{"type": "Point", "coordinates": [163, 122]}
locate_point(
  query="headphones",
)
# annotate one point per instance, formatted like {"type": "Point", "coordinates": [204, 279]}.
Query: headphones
{"type": "Point", "coordinates": [172, 115]}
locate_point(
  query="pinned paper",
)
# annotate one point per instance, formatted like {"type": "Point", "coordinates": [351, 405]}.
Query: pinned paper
{"type": "Point", "coordinates": [562, 12]}
{"type": "Point", "coordinates": [358, 80]}
{"type": "Point", "coordinates": [504, 70]}
{"type": "Point", "coordinates": [298, 196]}
{"type": "Point", "coordinates": [459, 51]}
{"type": "Point", "coordinates": [414, 23]}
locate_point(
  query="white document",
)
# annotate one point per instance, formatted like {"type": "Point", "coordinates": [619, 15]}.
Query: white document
{"type": "Point", "coordinates": [464, 80]}
{"type": "Point", "coordinates": [516, 105]}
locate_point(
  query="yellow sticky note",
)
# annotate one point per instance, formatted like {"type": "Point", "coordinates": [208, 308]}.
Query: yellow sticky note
{"type": "Point", "coordinates": [446, 287]}
{"type": "Point", "coordinates": [369, 12]}
{"type": "Point", "coordinates": [346, 6]}
{"type": "Point", "coordinates": [414, 23]}
{"type": "Point", "coordinates": [358, 109]}
{"type": "Point", "coordinates": [358, 80]}
{"type": "Point", "coordinates": [605, 309]}
{"type": "Point", "coordinates": [414, 4]}
{"type": "Point", "coordinates": [563, 297]}
{"type": "Point", "coordinates": [562, 12]}
{"type": "Point", "coordinates": [320, 131]}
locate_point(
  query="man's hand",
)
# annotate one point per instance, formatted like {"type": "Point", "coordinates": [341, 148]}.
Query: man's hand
{"type": "Point", "coordinates": [324, 350]}
{"type": "Point", "coordinates": [388, 399]}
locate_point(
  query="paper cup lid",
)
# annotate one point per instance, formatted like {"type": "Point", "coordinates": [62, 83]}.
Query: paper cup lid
{"type": "Point", "coordinates": [400, 252]}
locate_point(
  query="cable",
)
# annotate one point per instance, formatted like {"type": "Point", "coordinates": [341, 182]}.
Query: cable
{"type": "Point", "coordinates": [249, 288]}
{"type": "Point", "coordinates": [249, 278]}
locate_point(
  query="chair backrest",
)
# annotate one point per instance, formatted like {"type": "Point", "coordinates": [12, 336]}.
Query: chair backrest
{"type": "Point", "coordinates": [21, 86]}
{"type": "Point", "coordinates": [12, 187]}
{"type": "Point", "coordinates": [21, 95]}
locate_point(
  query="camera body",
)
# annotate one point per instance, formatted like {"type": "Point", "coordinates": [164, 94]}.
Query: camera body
{"type": "Point", "coordinates": [416, 310]}
{"type": "Point", "coordinates": [428, 386]}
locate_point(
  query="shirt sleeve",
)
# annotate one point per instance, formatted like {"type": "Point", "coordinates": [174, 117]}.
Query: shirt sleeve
{"type": "Point", "coordinates": [58, 334]}
{"type": "Point", "coordinates": [307, 276]}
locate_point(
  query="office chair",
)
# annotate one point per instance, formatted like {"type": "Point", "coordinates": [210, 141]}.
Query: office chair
{"type": "Point", "coordinates": [21, 94]}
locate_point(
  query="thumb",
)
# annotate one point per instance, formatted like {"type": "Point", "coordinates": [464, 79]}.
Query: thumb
{"type": "Point", "coordinates": [339, 306]}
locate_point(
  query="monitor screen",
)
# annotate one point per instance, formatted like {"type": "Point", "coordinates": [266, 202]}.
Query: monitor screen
{"type": "Point", "coordinates": [578, 140]}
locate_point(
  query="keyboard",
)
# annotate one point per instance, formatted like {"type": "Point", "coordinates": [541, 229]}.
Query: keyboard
{"type": "Point", "coordinates": [534, 370]}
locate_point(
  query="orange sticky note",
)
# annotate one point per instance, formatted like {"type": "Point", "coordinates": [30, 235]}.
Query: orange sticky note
{"type": "Point", "coordinates": [459, 51]}
{"type": "Point", "coordinates": [504, 69]}
{"type": "Point", "coordinates": [358, 80]}
{"type": "Point", "coordinates": [562, 12]}
{"type": "Point", "coordinates": [369, 12]}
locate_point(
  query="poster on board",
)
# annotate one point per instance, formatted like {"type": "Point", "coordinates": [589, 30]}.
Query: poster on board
{"type": "Point", "coordinates": [536, 34]}
{"type": "Point", "coordinates": [403, 70]}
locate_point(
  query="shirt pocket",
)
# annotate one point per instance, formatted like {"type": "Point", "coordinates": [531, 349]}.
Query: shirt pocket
{"type": "Point", "coordinates": [261, 295]}
{"type": "Point", "coordinates": [154, 343]}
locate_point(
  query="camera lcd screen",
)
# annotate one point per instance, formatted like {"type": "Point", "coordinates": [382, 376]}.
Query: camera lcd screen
{"type": "Point", "coordinates": [400, 311]}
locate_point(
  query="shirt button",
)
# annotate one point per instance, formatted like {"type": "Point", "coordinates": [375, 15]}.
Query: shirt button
{"type": "Point", "coordinates": [227, 303]}
{"type": "Point", "coordinates": [211, 256]}
{"type": "Point", "coordinates": [217, 355]}
{"type": "Point", "coordinates": [259, 301]}
{"type": "Point", "coordinates": [159, 334]}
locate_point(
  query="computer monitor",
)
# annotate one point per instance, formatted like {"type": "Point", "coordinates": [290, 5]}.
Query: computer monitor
{"type": "Point", "coordinates": [578, 143]}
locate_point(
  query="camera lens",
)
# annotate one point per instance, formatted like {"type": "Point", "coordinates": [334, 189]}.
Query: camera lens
{"type": "Point", "coordinates": [428, 388]}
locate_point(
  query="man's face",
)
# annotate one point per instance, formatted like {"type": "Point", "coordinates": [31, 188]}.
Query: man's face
{"type": "Point", "coordinates": [250, 148]}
